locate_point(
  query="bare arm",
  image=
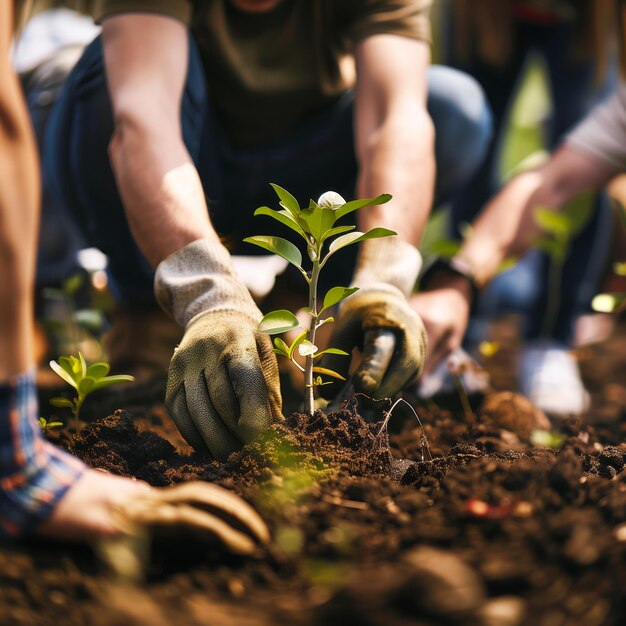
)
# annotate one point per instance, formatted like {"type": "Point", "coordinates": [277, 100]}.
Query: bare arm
{"type": "Point", "coordinates": [146, 63]}
{"type": "Point", "coordinates": [394, 134]}
{"type": "Point", "coordinates": [507, 226]}
{"type": "Point", "coordinates": [19, 213]}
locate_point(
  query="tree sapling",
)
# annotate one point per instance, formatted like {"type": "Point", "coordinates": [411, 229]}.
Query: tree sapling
{"type": "Point", "coordinates": [315, 224]}
{"type": "Point", "coordinates": [84, 379]}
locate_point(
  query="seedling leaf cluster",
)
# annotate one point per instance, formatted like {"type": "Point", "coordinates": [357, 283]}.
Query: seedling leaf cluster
{"type": "Point", "coordinates": [316, 225]}
{"type": "Point", "coordinates": [84, 379]}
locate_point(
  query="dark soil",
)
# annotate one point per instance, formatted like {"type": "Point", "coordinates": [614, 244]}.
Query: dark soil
{"type": "Point", "coordinates": [367, 529]}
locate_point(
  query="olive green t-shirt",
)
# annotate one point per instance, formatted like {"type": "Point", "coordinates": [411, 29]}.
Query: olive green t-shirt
{"type": "Point", "coordinates": [268, 72]}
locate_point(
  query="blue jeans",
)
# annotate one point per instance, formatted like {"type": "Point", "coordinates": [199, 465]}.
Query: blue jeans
{"type": "Point", "coordinates": [525, 289]}
{"type": "Point", "coordinates": [315, 158]}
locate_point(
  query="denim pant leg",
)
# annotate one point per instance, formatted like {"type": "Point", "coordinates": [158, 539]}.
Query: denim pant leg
{"type": "Point", "coordinates": [78, 173]}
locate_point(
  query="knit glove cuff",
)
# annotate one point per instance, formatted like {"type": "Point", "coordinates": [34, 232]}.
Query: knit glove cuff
{"type": "Point", "coordinates": [387, 264]}
{"type": "Point", "coordinates": [200, 278]}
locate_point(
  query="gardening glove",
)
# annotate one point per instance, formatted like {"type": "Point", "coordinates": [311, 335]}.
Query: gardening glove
{"type": "Point", "coordinates": [379, 320]}
{"type": "Point", "coordinates": [223, 385]}
{"type": "Point", "coordinates": [203, 508]}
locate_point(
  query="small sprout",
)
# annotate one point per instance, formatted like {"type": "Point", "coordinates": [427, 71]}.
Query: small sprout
{"type": "Point", "coordinates": [458, 367]}
{"type": "Point", "coordinates": [84, 379]}
{"type": "Point", "coordinates": [315, 225]}
{"type": "Point", "coordinates": [546, 439]}
{"type": "Point", "coordinates": [45, 425]}
{"type": "Point", "coordinates": [488, 348]}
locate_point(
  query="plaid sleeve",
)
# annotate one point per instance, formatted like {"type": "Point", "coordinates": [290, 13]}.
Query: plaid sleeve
{"type": "Point", "coordinates": [34, 474]}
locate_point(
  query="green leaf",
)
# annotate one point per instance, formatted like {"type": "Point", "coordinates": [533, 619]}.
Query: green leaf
{"type": "Point", "coordinates": [356, 237]}
{"type": "Point", "coordinates": [335, 295]}
{"type": "Point", "coordinates": [578, 210]}
{"type": "Point", "coordinates": [445, 248]}
{"type": "Point", "coordinates": [89, 318]}
{"type": "Point", "coordinates": [354, 205]}
{"type": "Point", "coordinates": [83, 365]}
{"type": "Point", "coordinates": [318, 382]}
{"type": "Point", "coordinates": [71, 365]}
{"type": "Point", "coordinates": [306, 348]}
{"type": "Point", "coordinates": [72, 284]}
{"type": "Point", "coordinates": [61, 402]}
{"type": "Point", "coordinates": [609, 302]}
{"type": "Point", "coordinates": [332, 351]}
{"type": "Point", "coordinates": [284, 217]}
{"type": "Point", "coordinates": [60, 371]}
{"type": "Point", "coordinates": [619, 268]}
{"type": "Point", "coordinates": [278, 322]}
{"type": "Point", "coordinates": [549, 246]}
{"type": "Point", "coordinates": [86, 385]}
{"type": "Point", "coordinates": [328, 320]}
{"type": "Point", "coordinates": [98, 369]}
{"type": "Point", "coordinates": [556, 223]}
{"type": "Point", "coordinates": [54, 425]}
{"type": "Point", "coordinates": [319, 221]}
{"type": "Point", "coordinates": [287, 200]}
{"type": "Point", "coordinates": [296, 342]}
{"type": "Point", "coordinates": [280, 346]}
{"type": "Point", "coordinates": [107, 381]}
{"type": "Point", "coordinates": [326, 372]}
{"type": "Point", "coordinates": [279, 246]}
{"type": "Point", "coordinates": [337, 230]}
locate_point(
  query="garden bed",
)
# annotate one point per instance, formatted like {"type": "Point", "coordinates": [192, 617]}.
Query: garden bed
{"type": "Point", "coordinates": [491, 531]}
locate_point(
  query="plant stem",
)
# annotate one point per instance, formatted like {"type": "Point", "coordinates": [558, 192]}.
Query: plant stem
{"type": "Point", "coordinates": [309, 400]}
{"type": "Point", "coordinates": [465, 403]}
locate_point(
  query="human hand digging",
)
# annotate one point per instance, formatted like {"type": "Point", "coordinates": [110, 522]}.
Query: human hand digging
{"type": "Point", "coordinates": [223, 383]}
{"type": "Point", "coordinates": [379, 320]}
{"type": "Point", "coordinates": [444, 305]}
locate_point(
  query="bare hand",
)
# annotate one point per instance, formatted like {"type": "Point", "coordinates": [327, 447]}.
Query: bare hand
{"type": "Point", "coordinates": [444, 309]}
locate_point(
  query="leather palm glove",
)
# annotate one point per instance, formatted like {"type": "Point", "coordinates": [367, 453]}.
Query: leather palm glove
{"type": "Point", "coordinates": [205, 509]}
{"type": "Point", "coordinates": [379, 320]}
{"type": "Point", "coordinates": [223, 384]}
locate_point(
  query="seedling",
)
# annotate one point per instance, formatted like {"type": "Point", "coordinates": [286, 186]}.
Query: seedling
{"type": "Point", "coordinates": [45, 425]}
{"type": "Point", "coordinates": [559, 230]}
{"type": "Point", "coordinates": [457, 368]}
{"type": "Point", "coordinates": [315, 224]}
{"type": "Point", "coordinates": [84, 379]}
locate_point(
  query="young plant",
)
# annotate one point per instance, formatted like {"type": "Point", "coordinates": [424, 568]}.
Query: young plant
{"type": "Point", "coordinates": [559, 230]}
{"type": "Point", "coordinates": [45, 425]}
{"type": "Point", "coordinates": [84, 379]}
{"type": "Point", "coordinates": [315, 225]}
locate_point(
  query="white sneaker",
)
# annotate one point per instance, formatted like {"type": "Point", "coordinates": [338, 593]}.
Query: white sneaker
{"type": "Point", "coordinates": [550, 379]}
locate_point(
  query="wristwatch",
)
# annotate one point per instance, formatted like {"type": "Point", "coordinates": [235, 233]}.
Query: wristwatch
{"type": "Point", "coordinates": [456, 265]}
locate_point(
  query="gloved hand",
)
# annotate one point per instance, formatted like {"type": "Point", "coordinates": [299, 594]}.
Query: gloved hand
{"type": "Point", "coordinates": [379, 320]}
{"type": "Point", "coordinates": [202, 507]}
{"type": "Point", "coordinates": [223, 385]}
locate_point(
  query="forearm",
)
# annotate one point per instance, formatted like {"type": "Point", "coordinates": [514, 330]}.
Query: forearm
{"type": "Point", "coordinates": [19, 206]}
{"type": "Point", "coordinates": [398, 158]}
{"type": "Point", "coordinates": [161, 189]}
{"type": "Point", "coordinates": [507, 225]}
